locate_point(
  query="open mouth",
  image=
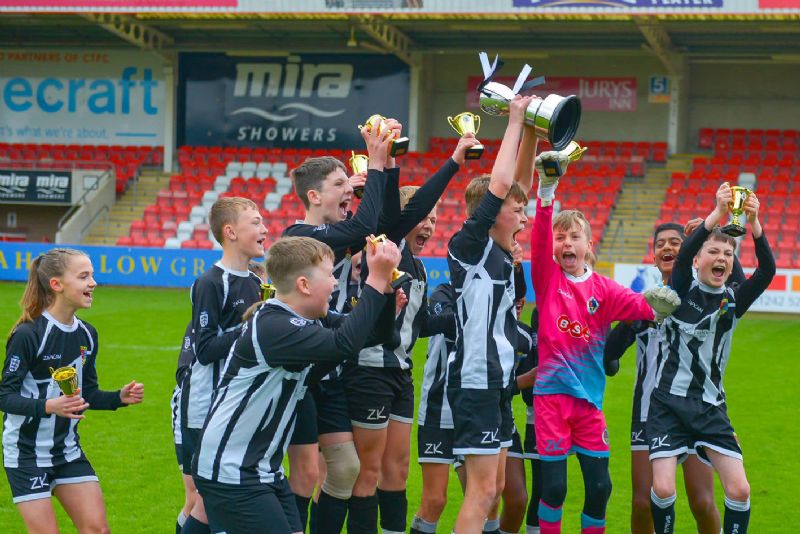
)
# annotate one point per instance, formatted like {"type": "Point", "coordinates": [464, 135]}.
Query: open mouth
{"type": "Point", "coordinates": [718, 271]}
{"type": "Point", "coordinates": [421, 239]}
{"type": "Point", "coordinates": [261, 242]}
{"type": "Point", "coordinates": [569, 259]}
{"type": "Point", "coordinates": [667, 257]}
{"type": "Point", "coordinates": [88, 294]}
{"type": "Point", "coordinates": [343, 207]}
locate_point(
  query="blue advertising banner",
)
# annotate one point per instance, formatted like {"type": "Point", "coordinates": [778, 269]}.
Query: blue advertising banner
{"type": "Point", "coordinates": [308, 101]}
{"type": "Point", "coordinates": [158, 267]}
{"type": "Point", "coordinates": [620, 3]}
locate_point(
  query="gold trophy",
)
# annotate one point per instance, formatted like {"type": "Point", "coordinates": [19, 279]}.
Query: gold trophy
{"type": "Point", "coordinates": [358, 163]}
{"type": "Point", "coordinates": [67, 379]}
{"type": "Point", "coordinates": [399, 144]}
{"type": "Point", "coordinates": [398, 277]}
{"type": "Point", "coordinates": [467, 122]}
{"type": "Point", "coordinates": [736, 207]}
{"type": "Point", "coordinates": [573, 151]}
{"type": "Point", "coordinates": [267, 291]}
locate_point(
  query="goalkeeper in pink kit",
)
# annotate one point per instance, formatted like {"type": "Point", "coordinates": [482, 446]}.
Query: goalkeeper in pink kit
{"type": "Point", "coordinates": [576, 308]}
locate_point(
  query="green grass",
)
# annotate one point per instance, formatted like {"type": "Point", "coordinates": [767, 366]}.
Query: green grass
{"type": "Point", "coordinates": [132, 452]}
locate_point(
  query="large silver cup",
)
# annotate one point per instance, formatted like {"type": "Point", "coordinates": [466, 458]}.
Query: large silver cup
{"type": "Point", "coordinates": [554, 118]}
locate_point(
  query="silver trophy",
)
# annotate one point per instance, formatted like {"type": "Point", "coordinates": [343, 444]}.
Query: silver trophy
{"type": "Point", "coordinates": [554, 118]}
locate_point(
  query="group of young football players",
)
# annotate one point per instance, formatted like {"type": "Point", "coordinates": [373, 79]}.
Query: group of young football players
{"type": "Point", "coordinates": [311, 361]}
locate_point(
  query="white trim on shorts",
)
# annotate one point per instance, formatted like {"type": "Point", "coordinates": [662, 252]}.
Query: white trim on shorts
{"type": "Point", "coordinates": [370, 426]}
{"type": "Point", "coordinates": [510, 454]}
{"type": "Point", "coordinates": [531, 455]}
{"type": "Point", "coordinates": [424, 460]}
{"type": "Point", "coordinates": [73, 480]}
{"type": "Point", "coordinates": [480, 452]}
{"type": "Point", "coordinates": [640, 447]}
{"type": "Point", "coordinates": [400, 419]}
{"type": "Point", "coordinates": [717, 448]}
{"type": "Point", "coordinates": [33, 497]}
{"type": "Point", "coordinates": [680, 451]}
{"type": "Point", "coordinates": [506, 444]}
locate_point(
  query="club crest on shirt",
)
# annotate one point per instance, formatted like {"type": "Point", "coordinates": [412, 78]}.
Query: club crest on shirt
{"type": "Point", "coordinates": [203, 319]}
{"type": "Point", "coordinates": [606, 439]}
{"type": "Point", "coordinates": [437, 308]}
{"type": "Point", "coordinates": [83, 354]}
{"type": "Point", "coordinates": [13, 363]}
{"type": "Point", "coordinates": [592, 305]}
{"type": "Point", "coordinates": [297, 321]}
{"type": "Point", "coordinates": [187, 342]}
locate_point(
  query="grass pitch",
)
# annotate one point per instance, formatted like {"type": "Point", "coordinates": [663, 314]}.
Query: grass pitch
{"type": "Point", "coordinates": [131, 449]}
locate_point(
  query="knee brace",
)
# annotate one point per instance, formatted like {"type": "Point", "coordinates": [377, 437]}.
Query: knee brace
{"type": "Point", "coordinates": [343, 466]}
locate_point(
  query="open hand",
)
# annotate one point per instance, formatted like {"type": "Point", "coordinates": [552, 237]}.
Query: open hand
{"type": "Point", "coordinates": [132, 393]}
{"type": "Point", "coordinates": [664, 300]}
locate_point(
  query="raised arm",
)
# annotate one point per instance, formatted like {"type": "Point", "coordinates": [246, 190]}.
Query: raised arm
{"type": "Point", "coordinates": [523, 172]}
{"type": "Point", "coordinates": [682, 276]}
{"type": "Point", "coordinates": [753, 287]}
{"type": "Point", "coordinates": [505, 162]}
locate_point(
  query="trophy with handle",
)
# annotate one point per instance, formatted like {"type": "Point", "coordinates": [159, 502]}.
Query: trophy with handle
{"type": "Point", "coordinates": [67, 379]}
{"type": "Point", "coordinates": [736, 207]}
{"type": "Point", "coordinates": [554, 118]}
{"type": "Point", "coordinates": [359, 163]}
{"type": "Point", "coordinates": [399, 144]}
{"type": "Point", "coordinates": [573, 152]}
{"type": "Point", "coordinates": [398, 277]}
{"type": "Point", "coordinates": [467, 122]}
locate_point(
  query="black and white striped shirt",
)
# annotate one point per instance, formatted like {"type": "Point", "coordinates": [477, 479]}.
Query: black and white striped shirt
{"type": "Point", "coordinates": [482, 274]}
{"type": "Point", "coordinates": [253, 415]}
{"type": "Point", "coordinates": [219, 299]}
{"type": "Point", "coordinates": [31, 437]}
{"type": "Point", "coordinates": [413, 321]}
{"type": "Point", "coordinates": [697, 338]}
{"type": "Point", "coordinates": [434, 409]}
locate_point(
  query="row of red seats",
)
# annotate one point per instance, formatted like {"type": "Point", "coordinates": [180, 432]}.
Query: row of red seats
{"type": "Point", "coordinates": [708, 136]}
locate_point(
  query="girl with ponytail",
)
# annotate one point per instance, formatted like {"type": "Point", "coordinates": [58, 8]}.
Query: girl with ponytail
{"type": "Point", "coordinates": [42, 454]}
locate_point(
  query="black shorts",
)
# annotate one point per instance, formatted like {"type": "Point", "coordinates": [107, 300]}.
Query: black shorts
{"type": "Point", "coordinates": [331, 401]}
{"type": "Point", "coordinates": [531, 452]}
{"type": "Point", "coordinates": [305, 424]}
{"type": "Point", "coordinates": [189, 437]}
{"type": "Point", "coordinates": [515, 451]}
{"type": "Point", "coordinates": [377, 394]}
{"type": "Point", "coordinates": [482, 419]}
{"type": "Point", "coordinates": [31, 482]}
{"type": "Point", "coordinates": [639, 436]}
{"type": "Point", "coordinates": [675, 425]}
{"type": "Point", "coordinates": [234, 509]}
{"type": "Point", "coordinates": [435, 445]}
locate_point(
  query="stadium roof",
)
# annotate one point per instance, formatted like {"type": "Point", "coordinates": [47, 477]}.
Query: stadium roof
{"type": "Point", "coordinates": [719, 37]}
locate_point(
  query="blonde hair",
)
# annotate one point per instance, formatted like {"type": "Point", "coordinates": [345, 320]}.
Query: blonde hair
{"type": "Point", "coordinates": [226, 211]}
{"type": "Point", "coordinates": [478, 187]}
{"type": "Point", "coordinates": [565, 220]}
{"type": "Point", "coordinates": [38, 295]}
{"type": "Point", "coordinates": [407, 192]}
{"type": "Point", "coordinates": [290, 257]}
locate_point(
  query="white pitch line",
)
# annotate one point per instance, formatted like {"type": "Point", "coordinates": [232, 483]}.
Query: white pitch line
{"type": "Point", "coordinates": [117, 346]}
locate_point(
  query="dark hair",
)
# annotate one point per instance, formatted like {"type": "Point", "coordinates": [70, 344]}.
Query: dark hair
{"type": "Point", "coordinates": [311, 173]}
{"type": "Point", "coordinates": [477, 188]}
{"type": "Point", "coordinates": [667, 226]}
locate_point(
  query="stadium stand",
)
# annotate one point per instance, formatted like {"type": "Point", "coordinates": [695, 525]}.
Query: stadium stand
{"type": "Point", "coordinates": [126, 161]}
{"type": "Point", "coordinates": [178, 218]}
{"type": "Point", "coordinates": [773, 157]}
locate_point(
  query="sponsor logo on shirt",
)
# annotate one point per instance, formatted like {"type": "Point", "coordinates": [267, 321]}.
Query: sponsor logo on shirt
{"type": "Point", "coordinates": [48, 357]}
{"type": "Point", "coordinates": [564, 293]}
{"type": "Point", "coordinates": [695, 305]}
{"type": "Point", "coordinates": [592, 305]}
{"type": "Point", "coordinates": [13, 363]}
{"type": "Point", "coordinates": [573, 328]}
{"type": "Point", "coordinates": [203, 319]}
